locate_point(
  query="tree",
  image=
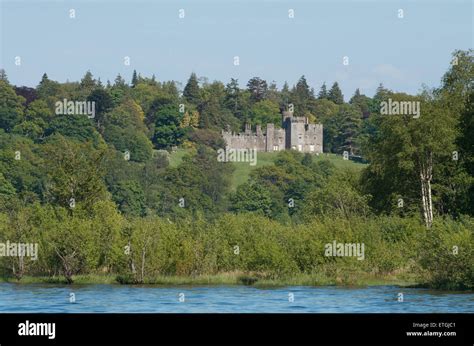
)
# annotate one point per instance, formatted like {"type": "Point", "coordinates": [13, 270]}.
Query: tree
{"type": "Point", "coordinates": [323, 93]}
{"type": "Point", "coordinates": [47, 88]}
{"type": "Point", "coordinates": [252, 197]}
{"type": "Point", "coordinates": [103, 103]}
{"type": "Point", "coordinates": [335, 94]}
{"type": "Point", "coordinates": [77, 127]}
{"type": "Point", "coordinates": [457, 92]}
{"type": "Point", "coordinates": [128, 113]}
{"type": "Point", "coordinates": [212, 110]}
{"type": "Point", "coordinates": [134, 79]}
{"type": "Point", "coordinates": [191, 91]}
{"type": "Point", "coordinates": [129, 140]}
{"type": "Point", "coordinates": [302, 90]}
{"type": "Point", "coordinates": [119, 90]}
{"type": "Point", "coordinates": [338, 197]}
{"type": "Point", "coordinates": [143, 246]}
{"type": "Point", "coordinates": [273, 94]}
{"type": "Point", "coordinates": [29, 94]}
{"type": "Point", "coordinates": [69, 240]}
{"type": "Point", "coordinates": [11, 107]}
{"type": "Point", "coordinates": [20, 228]}
{"type": "Point", "coordinates": [88, 83]}
{"type": "Point", "coordinates": [190, 119]}
{"type": "Point", "coordinates": [350, 127]}
{"type": "Point", "coordinates": [405, 152]}
{"type": "Point", "coordinates": [202, 182]}
{"type": "Point", "coordinates": [285, 96]}
{"type": "Point", "coordinates": [466, 145]}
{"type": "Point", "coordinates": [6, 188]}
{"type": "Point", "coordinates": [381, 94]}
{"type": "Point", "coordinates": [362, 102]}
{"type": "Point", "coordinates": [25, 174]}
{"type": "Point", "coordinates": [73, 170]}
{"type": "Point", "coordinates": [265, 112]}
{"type": "Point", "coordinates": [301, 96]}
{"type": "Point", "coordinates": [236, 100]}
{"type": "Point", "coordinates": [258, 89]}
{"type": "Point", "coordinates": [168, 132]}
{"type": "Point", "coordinates": [35, 122]}
{"type": "Point", "coordinates": [130, 198]}
{"type": "Point", "coordinates": [3, 75]}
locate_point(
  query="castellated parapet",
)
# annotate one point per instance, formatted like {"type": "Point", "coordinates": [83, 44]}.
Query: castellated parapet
{"type": "Point", "coordinates": [296, 133]}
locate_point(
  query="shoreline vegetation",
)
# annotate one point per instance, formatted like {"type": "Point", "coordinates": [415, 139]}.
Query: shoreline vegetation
{"type": "Point", "coordinates": [230, 279]}
{"type": "Point", "coordinates": [246, 249]}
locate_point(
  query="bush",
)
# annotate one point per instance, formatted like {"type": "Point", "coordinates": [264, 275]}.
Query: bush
{"type": "Point", "coordinates": [447, 255]}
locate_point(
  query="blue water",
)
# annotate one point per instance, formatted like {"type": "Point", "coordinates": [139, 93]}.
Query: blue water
{"type": "Point", "coordinates": [157, 299]}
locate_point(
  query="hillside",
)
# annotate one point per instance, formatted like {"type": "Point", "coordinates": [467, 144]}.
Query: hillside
{"type": "Point", "coordinates": [243, 169]}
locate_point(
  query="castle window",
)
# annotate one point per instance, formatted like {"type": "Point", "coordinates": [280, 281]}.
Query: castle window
{"type": "Point", "coordinates": [300, 147]}
{"type": "Point", "coordinates": [275, 148]}
{"type": "Point", "coordinates": [311, 148]}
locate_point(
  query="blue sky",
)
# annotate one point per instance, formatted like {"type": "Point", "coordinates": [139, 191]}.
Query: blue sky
{"type": "Point", "coordinates": [401, 53]}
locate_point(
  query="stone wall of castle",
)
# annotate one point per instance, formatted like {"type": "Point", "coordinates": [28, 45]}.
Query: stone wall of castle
{"type": "Point", "coordinates": [296, 134]}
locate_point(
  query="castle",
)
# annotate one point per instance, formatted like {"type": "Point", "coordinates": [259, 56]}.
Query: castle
{"type": "Point", "coordinates": [296, 133]}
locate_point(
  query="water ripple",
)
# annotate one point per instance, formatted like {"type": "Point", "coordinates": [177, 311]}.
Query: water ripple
{"type": "Point", "coordinates": [158, 299]}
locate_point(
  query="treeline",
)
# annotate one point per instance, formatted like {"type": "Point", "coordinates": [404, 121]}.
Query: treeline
{"type": "Point", "coordinates": [141, 250]}
{"type": "Point", "coordinates": [87, 187]}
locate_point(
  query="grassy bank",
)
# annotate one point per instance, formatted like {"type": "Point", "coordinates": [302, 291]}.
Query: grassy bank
{"type": "Point", "coordinates": [232, 278]}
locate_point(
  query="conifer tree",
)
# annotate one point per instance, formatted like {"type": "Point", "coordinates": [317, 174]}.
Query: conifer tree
{"type": "Point", "coordinates": [335, 94]}
{"type": "Point", "coordinates": [191, 91]}
{"type": "Point", "coordinates": [134, 78]}
{"type": "Point", "coordinates": [323, 93]}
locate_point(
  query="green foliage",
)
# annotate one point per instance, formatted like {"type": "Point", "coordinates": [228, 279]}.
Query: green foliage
{"type": "Point", "coordinates": [77, 127]}
{"type": "Point", "coordinates": [257, 88]}
{"type": "Point", "coordinates": [402, 146]}
{"type": "Point", "coordinates": [167, 132]}
{"type": "Point", "coordinates": [11, 108]}
{"type": "Point", "coordinates": [191, 91]}
{"type": "Point", "coordinates": [130, 198]}
{"type": "Point", "coordinates": [265, 112]}
{"type": "Point", "coordinates": [301, 97]}
{"type": "Point", "coordinates": [252, 197]}
{"type": "Point", "coordinates": [103, 102]}
{"type": "Point", "coordinates": [213, 111]}
{"type": "Point", "coordinates": [72, 170]}
{"type": "Point", "coordinates": [335, 94]}
{"type": "Point", "coordinates": [446, 255]}
{"type": "Point", "coordinates": [131, 140]}
{"type": "Point", "coordinates": [323, 93]}
{"type": "Point", "coordinates": [339, 197]}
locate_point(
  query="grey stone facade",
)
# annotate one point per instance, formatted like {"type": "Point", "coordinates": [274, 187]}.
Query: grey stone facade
{"type": "Point", "coordinates": [296, 133]}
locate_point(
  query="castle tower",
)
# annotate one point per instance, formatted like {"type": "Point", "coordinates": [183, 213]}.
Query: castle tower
{"type": "Point", "coordinates": [285, 116]}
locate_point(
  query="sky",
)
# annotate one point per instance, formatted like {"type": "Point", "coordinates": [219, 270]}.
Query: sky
{"type": "Point", "coordinates": [402, 53]}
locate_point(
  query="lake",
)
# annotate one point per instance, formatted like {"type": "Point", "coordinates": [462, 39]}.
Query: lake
{"type": "Point", "coordinates": [39, 298]}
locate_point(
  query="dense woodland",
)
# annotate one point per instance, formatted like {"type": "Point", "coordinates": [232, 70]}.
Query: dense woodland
{"type": "Point", "coordinates": [85, 188]}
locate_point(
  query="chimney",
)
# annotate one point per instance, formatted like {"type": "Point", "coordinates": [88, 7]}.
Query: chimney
{"type": "Point", "coordinates": [248, 128]}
